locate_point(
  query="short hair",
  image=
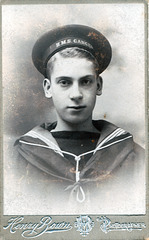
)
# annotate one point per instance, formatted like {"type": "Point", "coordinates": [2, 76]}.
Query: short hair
{"type": "Point", "coordinates": [72, 52]}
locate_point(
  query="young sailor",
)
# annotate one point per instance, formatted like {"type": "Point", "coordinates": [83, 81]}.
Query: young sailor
{"type": "Point", "coordinates": [84, 160]}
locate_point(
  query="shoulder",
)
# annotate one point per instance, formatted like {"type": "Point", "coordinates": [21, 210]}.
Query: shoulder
{"type": "Point", "coordinates": [102, 125]}
{"type": "Point", "coordinates": [107, 128]}
{"type": "Point", "coordinates": [39, 134]}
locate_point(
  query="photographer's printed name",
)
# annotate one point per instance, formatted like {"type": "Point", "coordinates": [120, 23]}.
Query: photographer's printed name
{"type": "Point", "coordinates": [32, 230]}
{"type": "Point", "coordinates": [84, 225]}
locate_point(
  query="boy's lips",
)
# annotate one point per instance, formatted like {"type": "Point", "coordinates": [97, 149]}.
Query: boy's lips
{"type": "Point", "coordinates": [77, 107]}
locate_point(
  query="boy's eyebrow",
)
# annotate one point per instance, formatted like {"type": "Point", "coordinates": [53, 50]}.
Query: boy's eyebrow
{"type": "Point", "coordinates": [63, 77]}
{"type": "Point", "coordinates": [70, 78]}
{"type": "Point", "coordinates": [87, 76]}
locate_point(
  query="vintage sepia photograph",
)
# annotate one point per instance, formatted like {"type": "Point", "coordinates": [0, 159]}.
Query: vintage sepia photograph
{"type": "Point", "coordinates": [73, 79]}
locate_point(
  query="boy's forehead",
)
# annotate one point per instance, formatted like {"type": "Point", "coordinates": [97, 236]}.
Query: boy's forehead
{"type": "Point", "coordinates": [67, 36]}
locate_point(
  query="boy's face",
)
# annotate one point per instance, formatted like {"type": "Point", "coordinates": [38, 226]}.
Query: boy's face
{"type": "Point", "coordinates": [73, 86]}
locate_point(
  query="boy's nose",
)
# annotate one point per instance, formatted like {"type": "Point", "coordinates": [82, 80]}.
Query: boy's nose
{"type": "Point", "coordinates": [76, 93]}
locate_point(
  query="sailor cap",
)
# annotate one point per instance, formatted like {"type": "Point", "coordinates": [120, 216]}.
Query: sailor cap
{"type": "Point", "coordinates": [68, 36]}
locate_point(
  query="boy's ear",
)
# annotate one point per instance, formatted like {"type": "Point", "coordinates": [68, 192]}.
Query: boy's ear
{"type": "Point", "coordinates": [47, 87]}
{"type": "Point", "coordinates": [99, 86]}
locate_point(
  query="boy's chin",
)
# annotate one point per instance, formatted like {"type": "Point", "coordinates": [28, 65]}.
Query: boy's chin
{"type": "Point", "coordinates": [76, 121]}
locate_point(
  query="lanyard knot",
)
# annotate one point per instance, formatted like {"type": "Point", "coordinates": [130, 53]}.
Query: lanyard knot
{"type": "Point", "coordinates": [80, 194]}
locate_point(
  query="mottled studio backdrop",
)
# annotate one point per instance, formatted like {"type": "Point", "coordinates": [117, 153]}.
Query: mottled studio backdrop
{"type": "Point", "coordinates": [122, 101]}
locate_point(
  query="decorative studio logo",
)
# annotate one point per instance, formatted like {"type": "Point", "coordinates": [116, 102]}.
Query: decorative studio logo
{"type": "Point", "coordinates": [84, 225]}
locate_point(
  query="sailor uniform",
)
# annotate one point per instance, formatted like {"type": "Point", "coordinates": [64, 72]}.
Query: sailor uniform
{"type": "Point", "coordinates": [114, 151]}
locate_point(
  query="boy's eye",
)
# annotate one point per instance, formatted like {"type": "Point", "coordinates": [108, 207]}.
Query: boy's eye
{"type": "Point", "coordinates": [86, 82]}
{"type": "Point", "coordinates": [64, 83]}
